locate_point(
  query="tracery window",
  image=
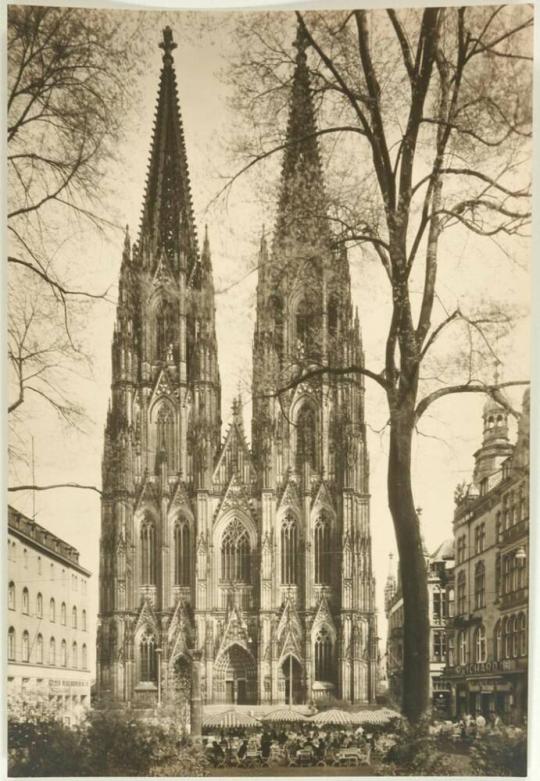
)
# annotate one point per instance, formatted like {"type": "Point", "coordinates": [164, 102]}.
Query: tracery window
{"type": "Point", "coordinates": [307, 327]}
{"type": "Point", "coordinates": [324, 667]}
{"type": "Point", "coordinates": [182, 553]}
{"type": "Point", "coordinates": [165, 433]}
{"type": "Point", "coordinates": [306, 438]}
{"type": "Point", "coordinates": [479, 585]}
{"type": "Point", "coordinates": [235, 553]}
{"type": "Point", "coordinates": [147, 656]}
{"type": "Point", "coordinates": [323, 553]}
{"type": "Point", "coordinates": [461, 593]}
{"type": "Point", "coordinates": [148, 564]}
{"type": "Point", "coordinates": [289, 543]}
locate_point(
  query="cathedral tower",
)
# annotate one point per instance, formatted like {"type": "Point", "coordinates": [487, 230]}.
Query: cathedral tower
{"type": "Point", "coordinates": [163, 426]}
{"type": "Point", "coordinates": [309, 442]}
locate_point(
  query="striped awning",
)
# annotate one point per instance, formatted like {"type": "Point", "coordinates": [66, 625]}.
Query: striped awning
{"type": "Point", "coordinates": [230, 719]}
{"type": "Point", "coordinates": [284, 715]}
{"type": "Point", "coordinates": [333, 716]}
{"type": "Point", "coordinates": [381, 716]}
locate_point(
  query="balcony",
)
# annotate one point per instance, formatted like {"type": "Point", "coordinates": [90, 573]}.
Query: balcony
{"type": "Point", "coordinates": [513, 533]}
{"type": "Point", "coordinates": [464, 620]}
{"type": "Point", "coordinates": [514, 598]}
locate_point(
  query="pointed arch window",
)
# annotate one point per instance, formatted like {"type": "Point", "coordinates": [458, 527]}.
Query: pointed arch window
{"type": "Point", "coordinates": [11, 595]}
{"type": "Point", "coordinates": [306, 438]}
{"type": "Point", "coordinates": [74, 655]}
{"type": "Point", "coordinates": [165, 433]}
{"type": "Point", "coordinates": [289, 548]}
{"type": "Point", "coordinates": [308, 326]}
{"type": "Point", "coordinates": [39, 605]}
{"type": "Point", "coordinates": [322, 551]}
{"type": "Point", "coordinates": [11, 644]}
{"type": "Point", "coordinates": [39, 649]}
{"type": "Point", "coordinates": [52, 651]}
{"type": "Point", "coordinates": [74, 617]}
{"type": "Point", "coordinates": [165, 331]}
{"type": "Point", "coordinates": [148, 559]}
{"type": "Point", "coordinates": [63, 654]}
{"type": "Point", "coordinates": [276, 309]}
{"type": "Point", "coordinates": [479, 585]}
{"type": "Point", "coordinates": [182, 553]}
{"type": "Point", "coordinates": [25, 601]}
{"type": "Point", "coordinates": [324, 667]}
{"type": "Point", "coordinates": [147, 658]}
{"type": "Point", "coordinates": [25, 647]}
{"type": "Point", "coordinates": [235, 553]}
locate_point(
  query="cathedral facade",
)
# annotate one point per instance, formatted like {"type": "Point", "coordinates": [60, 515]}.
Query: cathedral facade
{"type": "Point", "coordinates": [235, 573]}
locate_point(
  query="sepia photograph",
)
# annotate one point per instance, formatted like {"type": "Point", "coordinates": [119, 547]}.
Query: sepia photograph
{"type": "Point", "coordinates": [268, 364]}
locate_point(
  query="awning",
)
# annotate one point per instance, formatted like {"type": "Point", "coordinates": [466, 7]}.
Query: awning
{"type": "Point", "coordinates": [284, 716]}
{"type": "Point", "coordinates": [230, 719]}
{"type": "Point", "coordinates": [381, 716]}
{"type": "Point", "coordinates": [333, 716]}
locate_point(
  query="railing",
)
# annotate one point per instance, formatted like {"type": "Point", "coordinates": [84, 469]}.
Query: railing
{"type": "Point", "coordinates": [513, 533]}
{"type": "Point", "coordinates": [514, 598]}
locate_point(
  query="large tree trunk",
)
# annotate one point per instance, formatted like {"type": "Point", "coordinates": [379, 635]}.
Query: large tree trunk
{"type": "Point", "coordinates": [412, 566]}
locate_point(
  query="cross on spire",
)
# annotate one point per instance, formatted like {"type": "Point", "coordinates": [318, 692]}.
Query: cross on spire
{"type": "Point", "coordinates": [167, 44]}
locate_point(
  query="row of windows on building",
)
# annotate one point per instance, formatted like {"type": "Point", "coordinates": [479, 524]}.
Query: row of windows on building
{"type": "Point", "coordinates": [235, 558]}
{"type": "Point", "coordinates": [75, 580]}
{"type": "Point", "coordinates": [509, 641]}
{"type": "Point", "coordinates": [510, 576]}
{"type": "Point", "coordinates": [25, 608]}
{"type": "Point", "coordinates": [35, 652]}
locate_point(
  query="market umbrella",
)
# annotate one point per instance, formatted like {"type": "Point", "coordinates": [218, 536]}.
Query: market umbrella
{"type": "Point", "coordinates": [230, 719]}
{"type": "Point", "coordinates": [333, 716]}
{"type": "Point", "coordinates": [381, 716]}
{"type": "Point", "coordinates": [284, 715]}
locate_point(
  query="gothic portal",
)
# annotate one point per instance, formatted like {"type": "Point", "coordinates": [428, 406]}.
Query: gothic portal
{"type": "Point", "coordinates": [245, 569]}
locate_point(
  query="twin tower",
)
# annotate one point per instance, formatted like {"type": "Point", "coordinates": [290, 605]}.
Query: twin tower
{"type": "Point", "coordinates": [232, 573]}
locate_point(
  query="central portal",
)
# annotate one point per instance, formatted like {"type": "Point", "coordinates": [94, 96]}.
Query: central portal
{"type": "Point", "coordinates": [236, 677]}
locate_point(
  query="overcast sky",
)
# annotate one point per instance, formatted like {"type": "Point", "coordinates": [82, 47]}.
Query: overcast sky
{"type": "Point", "coordinates": [442, 453]}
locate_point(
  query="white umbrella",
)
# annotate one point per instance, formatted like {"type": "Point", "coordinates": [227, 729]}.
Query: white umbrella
{"type": "Point", "coordinates": [333, 716]}
{"type": "Point", "coordinates": [283, 715]}
{"type": "Point", "coordinates": [231, 719]}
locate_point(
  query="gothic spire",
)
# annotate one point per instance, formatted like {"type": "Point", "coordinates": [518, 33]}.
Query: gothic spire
{"type": "Point", "coordinates": [167, 217]}
{"type": "Point", "coordinates": [302, 202]}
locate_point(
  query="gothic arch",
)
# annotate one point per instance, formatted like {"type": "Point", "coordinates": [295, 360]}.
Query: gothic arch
{"type": "Point", "coordinates": [147, 542]}
{"type": "Point", "coordinates": [163, 319]}
{"type": "Point", "coordinates": [235, 675]}
{"type": "Point", "coordinates": [182, 543]}
{"type": "Point", "coordinates": [289, 548]}
{"type": "Point", "coordinates": [306, 428]}
{"type": "Point", "coordinates": [163, 419]}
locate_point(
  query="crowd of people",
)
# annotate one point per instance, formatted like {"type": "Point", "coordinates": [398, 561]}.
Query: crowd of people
{"type": "Point", "coordinates": [288, 745]}
{"type": "Point", "coordinates": [469, 727]}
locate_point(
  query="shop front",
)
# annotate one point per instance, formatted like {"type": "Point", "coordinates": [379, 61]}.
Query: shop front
{"type": "Point", "coordinates": [489, 688]}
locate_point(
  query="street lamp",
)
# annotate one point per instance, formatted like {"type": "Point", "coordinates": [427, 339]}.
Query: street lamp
{"type": "Point", "coordinates": [520, 555]}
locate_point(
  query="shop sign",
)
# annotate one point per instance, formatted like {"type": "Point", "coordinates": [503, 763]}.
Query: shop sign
{"type": "Point", "coordinates": [478, 667]}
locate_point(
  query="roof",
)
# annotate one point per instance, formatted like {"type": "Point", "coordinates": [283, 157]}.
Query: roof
{"type": "Point", "coordinates": [445, 551]}
{"type": "Point", "coordinates": [28, 530]}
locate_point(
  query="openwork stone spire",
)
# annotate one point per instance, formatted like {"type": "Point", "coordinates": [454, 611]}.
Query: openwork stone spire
{"type": "Point", "coordinates": [167, 218]}
{"type": "Point", "coordinates": [302, 202]}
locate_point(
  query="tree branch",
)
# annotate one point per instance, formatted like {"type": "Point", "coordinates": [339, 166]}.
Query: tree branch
{"type": "Point", "coordinates": [473, 387]}
{"type": "Point", "coordinates": [53, 486]}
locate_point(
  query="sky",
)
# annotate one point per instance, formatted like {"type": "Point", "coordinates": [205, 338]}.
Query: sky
{"type": "Point", "coordinates": [449, 435]}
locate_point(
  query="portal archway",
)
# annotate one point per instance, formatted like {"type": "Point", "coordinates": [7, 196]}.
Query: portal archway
{"type": "Point", "coordinates": [236, 677]}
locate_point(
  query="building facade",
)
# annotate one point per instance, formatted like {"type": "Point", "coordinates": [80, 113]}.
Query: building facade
{"type": "Point", "coordinates": [48, 624]}
{"type": "Point", "coordinates": [233, 573]}
{"type": "Point", "coordinates": [487, 669]}
{"type": "Point", "coordinates": [440, 572]}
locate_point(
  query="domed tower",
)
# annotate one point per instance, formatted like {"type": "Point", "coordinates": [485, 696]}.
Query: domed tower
{"type": "Point", "coordinates": [496, 446]}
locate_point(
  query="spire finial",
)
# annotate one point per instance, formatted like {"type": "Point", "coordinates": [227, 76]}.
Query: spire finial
{"type": "Point", "coordinates": [167, 44]}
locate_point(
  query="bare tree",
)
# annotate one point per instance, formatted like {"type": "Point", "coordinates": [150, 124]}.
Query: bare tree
{"type": "Point", "coordinates": [432, 111]}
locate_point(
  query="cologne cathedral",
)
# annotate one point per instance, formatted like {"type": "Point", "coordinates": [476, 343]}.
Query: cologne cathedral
{"type": "Point", "coordinates": [235, 572]}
